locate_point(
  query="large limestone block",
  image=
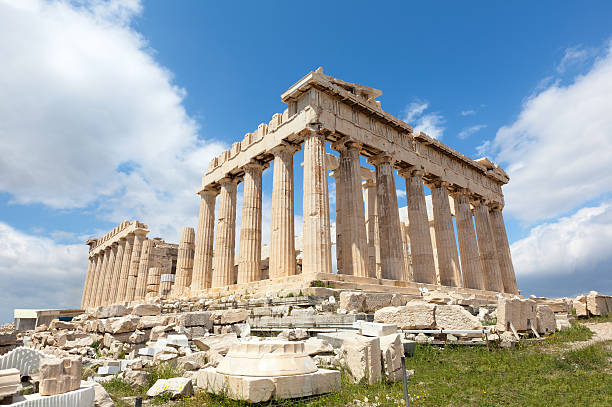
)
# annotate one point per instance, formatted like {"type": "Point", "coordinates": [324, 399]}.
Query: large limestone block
{"type": "Point", "coordinates": [111, 311]}
{"type": "Point", "coordinates": [362, 358]}
{"type": "Point", "coordinates": [580, 306]}
{"type": "Point", "coordinates": [545, 320]}
{"type": "Point", "coordinates": [251, 389]}
{"type": "Point", "coordinates": [323, 381]}
{"type": "Point", "coordinates": [201, 318]}
{"type": "Point", "coordinates": [455, 317]}
{"type": "Point", "coordinates": [102, 398]}
{"type": "Point", "coordinates": [413, 315]}
{"type": "Point", "coordinates": [352, 301]}
{"type": "Point", "coordinates": [10, 382]}
{"type": "Point", "coordinates": [376, 301]}
{"type": "Point", "coordinates": [562, 322]}
{"type": "Point", "coordinates": [143, 310]}
{"type": "Point", "coordinates": [520, 313]}
{"type": "Point", "coordinates": [178, 386]}
{"type": "Point", "coordinates": [597, 303]}
{"type": "Point", "coordinates": [122, 324]}
{"type": "Point", "coordinates": [57, 324]}
{"type": "Point", "coordinates": [148, 322]}
{"type": "Point", "coordinates": [316, 346]}
{"type": "Point", "coordinates": [216, 343]}
{"type": "Point", "coordinates": [392, 350]}
{"type": "Point", "coordinates": [374, 328]}
{"type": "Point", "coordinates": [230, 316]}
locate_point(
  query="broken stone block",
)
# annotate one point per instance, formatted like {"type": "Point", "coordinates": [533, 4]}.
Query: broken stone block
{"type": "Point", "coordinates": [545, 320]}
{"type": "Point", "coordinates": [194, 361]}
{"type": "Point", "coordinates": [413, 315]}
{"type": "Point", "coordinates": [562, 322]}
{"type": "Point", "coordinates": [392, 350]}
{"type": "Point", "coordinates": [111, 311]}
{"type": "Point", "coordinates": [143, 310]}
{"type": "Point", "coordinates": [216, 343]}
{"type": "Point", "coordinates": [375, 301]}
{"type": "Point", "coordinates": [233, 316]}
{"type": "Point", "coordinates": [362, 358]}
{"type": "Point", "coordinates": [374, 328]}
{"type": "Point", "coordinates": [108, 370]}
{"type": "Point", "coordinates": [10, 382]}
{"type": "Point", "coordinates": [580, 306]}
{"type": "Point", "coordinates": [122, 324]}
{"type": "Point", "coordinates": [178, 386]}
{"type": "Point", "coordinates": [597, 303]}
{"type": "Point", "coordinates": [57, 324]}
{"type": "Point", "coordinates": [177, 341]}
{"type": "Point", "coordinates": [316, 346]}
{"type": "Point", "coordinates": [294, 334]}
{"type": "Point", "coordinates": [148, 322]}
{"type": "Point", "coordinates": [455, 317]}
{"type": "Point", "coordinates": [352, 301]}
{"type": "Point", "coordinates": [201, 318]}
{"type": "Point", "coordinates": [516, 312]}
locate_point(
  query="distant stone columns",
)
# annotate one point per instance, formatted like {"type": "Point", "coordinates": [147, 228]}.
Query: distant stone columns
{"type": "Point", "coordinates": [470, 260]}
{"type": "Point", "coordinates": [223, 268]}
{"type": "Point", "coordinates": [503, 250]}
{"type": "Point", "coordinates": [339, 215]}
{"type": "Point", "coordinates": [316, 239]}
{"type": "Point", "coordinates": [88, 278]}
{"type": "Point", "coordinates": [125, 268]}
{"type": "Point", "coordinates": [486, 247]}
{"type": "Point", "coordinates": [282, 223]}
{"type": "Point", "coordinates": [353, 231]}
{"type": "Point", "coordinates": [93, 288]}
{"type": "Point", "coordinates": [101, 277]}
{"type": "Point", "coordinates": [391, 251]}
{"type": "Point", "coordinates": [249, 253]}
{"type": "Point", "coordinates": [139, 237]}
{"type": "Point", "coordinates": [203, 258]}
{"type": "Point", "coordinates": [143, 269]}
{"type": "Point", "coordinates": [406, 248]}
{"type": "Point", "coordinates": [371, 213]}
{"type": "Point", "coordinates": [184, 262]}
{"type": "Point", "coordinates": [114, 284]}
{"type": "Point", "coordinates": [108, 277]}
{"type": "Point", "coordinates": [421, 250]}
{"type": "Point", "coordinates": [448, 258]}
{"type": "Point", "coordinates": [153, 282]}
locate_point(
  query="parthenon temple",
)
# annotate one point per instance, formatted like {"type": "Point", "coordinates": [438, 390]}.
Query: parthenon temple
{"type": "Point", "coordinates": [376, 250]}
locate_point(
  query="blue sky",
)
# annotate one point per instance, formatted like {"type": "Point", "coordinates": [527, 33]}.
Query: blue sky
{"type": "Point", "coordinates": [111, 110]}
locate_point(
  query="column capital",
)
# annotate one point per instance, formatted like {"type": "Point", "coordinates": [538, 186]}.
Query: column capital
{"type": "Point", "coordinates": [495, 206]}
{"type": "Point", "coordinates": [411, 172]}
{"type": "Point", "coordinates": [209, 190]}
{"type": "Point", "coordinates": [477, 200]}
{"type": "Point", "coordinates": [229, 179]}
{"type": "Point", "coordinates": [437, 183]}
{"type": "Point", "coordinates": [347, 143]}
{"type": "Point", "coordinates": [140, 232]}
{"type": "Point", "coordinates": [368, 183]}
{"type": "Point", "coordinates": [312, 129]}
{"type": "Point", "coordinates": [459, 192]}
{"type": "Point", "coordinates": [382, 158]}
{"type": "Point", "coordinates": [285, 148]}
{"type": "Point", "coordinates": [255, 165]}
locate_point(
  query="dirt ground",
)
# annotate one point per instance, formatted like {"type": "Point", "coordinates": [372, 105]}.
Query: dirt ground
{"type": "Point", "coordinates": [602, 332]}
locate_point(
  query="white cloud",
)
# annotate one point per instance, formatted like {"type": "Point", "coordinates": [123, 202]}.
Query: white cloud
{"type": "Point", "coordinates": [569, 245]}
{"type": "Point", "coordinates": [557, 152]}
{"type": "Point", "coordinates": [89, 118]}
{"type": "Point", "coordinates": [572, 57]}
{"type": "Point", "coordinates": [36, 272]}
{"type": "Point", "coordinates": [429, 123]}
{"type": "Point", "coordinates": [468, 131]}
{"type": "Point", "coordinates": [469, 112]}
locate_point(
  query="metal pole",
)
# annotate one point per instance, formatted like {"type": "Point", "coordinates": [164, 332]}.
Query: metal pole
{"type": "Point", "coordinates": [405, 380]}
{"type": "Point", "coordinates": [138, 402]}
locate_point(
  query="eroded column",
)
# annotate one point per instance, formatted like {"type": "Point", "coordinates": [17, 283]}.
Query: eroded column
{"type": "Point", "coordinates": [369, 186]}
{"type": "Point", "coordinates": [93, 289]}
{"type": "Point", "coordinates": [503, 250]}
{"type": "Point", "coordinates": [223, 260]}
{"type": "Point", "coordinates": [406, 247]}
{"type": "Point", "coordinates": [203, 258]}
{"type": "Point", "coordinates": [339, 215]}
{"type": "Point", "coordinates": [125, 268]}
{"type": "Point", "coordinates": [153, 281]}
{"type": "Point", "coordinates": [249, 253]}
{"type": "Point", "coordinates": [184, 262]}
{"type": "Point", "coordinates": [108, 277]}
{"type": "Point", "coordinates": [421, 250]}
{"type": "Point", "coordinates": [114, 284]}
{"type": "Point", "coordinates": [102, 277]}
{"type": "Point", "coordinates": [88, 276]}
{"type": "Point", "coordinates": [391, 251]}
{"type": "Point", "coordinates": [486, 247]}
{"type": "Point", "coordinates": [470, 260]}
{"type": "Point", "coordinates": [139, 237]}
{"type": "Point", "coordinates": [316, 241]}
{"type": "Point", "coordinates": [353, 229]}
{"type": "Point", "coordinates": [448, 258]}
{"type": "Point", "coordinates": [143, 269]}
{"type": "Point", "coordinates": [282, 223]}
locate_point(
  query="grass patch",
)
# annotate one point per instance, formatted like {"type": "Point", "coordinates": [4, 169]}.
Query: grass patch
{"type": "Point", "coordinates": [576, 333]}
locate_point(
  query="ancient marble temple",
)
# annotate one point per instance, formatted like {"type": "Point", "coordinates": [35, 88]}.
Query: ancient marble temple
{"type": "Point", "coordinates": [375, 249]}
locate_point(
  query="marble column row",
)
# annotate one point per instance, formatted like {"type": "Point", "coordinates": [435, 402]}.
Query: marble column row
{"type": "Point", "coordinates": [114, 273]}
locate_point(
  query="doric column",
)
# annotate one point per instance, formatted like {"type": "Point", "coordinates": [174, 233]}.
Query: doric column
{"type": "Point", "coordinates": [114, 283]}
{"type": "Point", "coordinates": [316, 240]}
{"type": "Point", "coordinates": [203, 258]}
{"type": "Point", "coordinates": [371, 213]}
{"type": "Point", "coordinates": [139, 237]}
{"type": "Point", "coordinates": [391, 251]}
{"type": "Point", "coordinates": [89, 281]}
{"type": "Point", "coordinates": [448, 258]}
{"type": "Point", "coordinates": [108, 276]}
{"type": "Point", "coordinates": [93, 289]}
{"type": "Point", "coordinates": [353, 230]}
{"type": "Point", "coordinates": [503, 250]}
{"type": "Point", "coordinates": [470, 260]}
{"type": "Point", "coordinates": [282, 222]}
{"type": "Point", "coordinates": [223, 269]}
{"type": "Point", "coordinates": [486, 247]}
{"type": "Point", "coordinates": [125, 268]}
{"type": "Point", "coordinates": [166, 282]}
{"type": "Point", "coordinates": [101, 277]}
{"type": "Point", "coordinates": [143, 269]}
{"type": "Point", "coordinates": [88, 276]}
{"type": "Point", "coordinates": [406, 247]}
{"type": "Point", "coordinates": [184, 262]}
{"type": "Point", "coordinates": [249, 252]}
{"type": "Point", "coordinates": [153, 277]}
{"type": "Point", "coordinates": [421, 250]}
{"type": "Point", "coordinates": [339, 215]}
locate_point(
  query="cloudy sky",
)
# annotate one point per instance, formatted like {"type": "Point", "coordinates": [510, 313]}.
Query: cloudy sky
{"type": "Point", "coordinates": [111, 110]}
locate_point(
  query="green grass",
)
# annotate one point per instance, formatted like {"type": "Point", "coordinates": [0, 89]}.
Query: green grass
{"type": "Point", "coordinates": [548, 373]}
